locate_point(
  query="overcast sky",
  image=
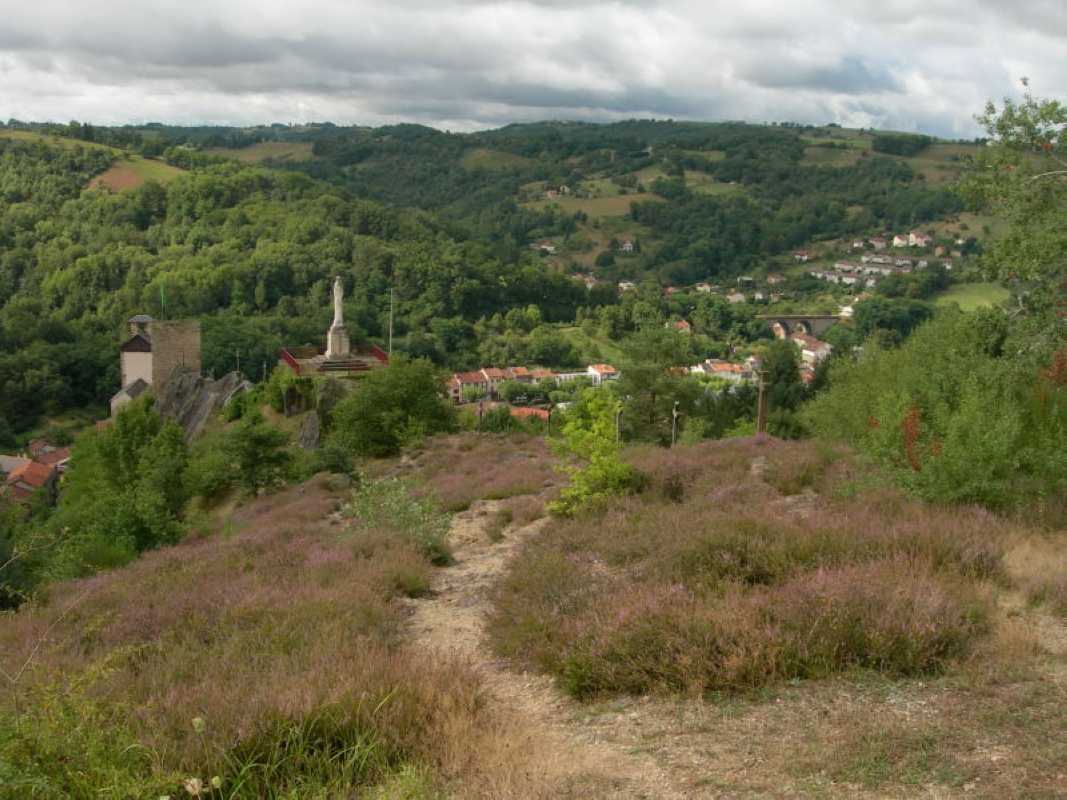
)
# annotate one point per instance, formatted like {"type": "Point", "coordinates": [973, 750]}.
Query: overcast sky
{"type": "Point", "coordinates": [926, 65]}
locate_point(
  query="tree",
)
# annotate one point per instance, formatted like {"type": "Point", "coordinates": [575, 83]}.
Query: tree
{"type": "Point", "coordinates": [588, 436]}
{"type": "Point", "coordinates": [257, 451]}
{"type": "Point", "coordinates": [784, 388]}
{"type": "Point", "coordinates": [652, 383]}
{"type": "Point", "coordinates": [1022, 177]}
{"type": "Point", "coordinates": [393, 406]}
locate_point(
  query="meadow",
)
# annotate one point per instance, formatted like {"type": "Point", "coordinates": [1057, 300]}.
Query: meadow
{"type": "Point", "coordinates": [266, 151]}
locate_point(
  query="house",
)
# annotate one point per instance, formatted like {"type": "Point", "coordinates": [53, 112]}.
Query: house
{"type": "Point", "coordinates": [923, 264]}
{"type": "Point", "coordinates": [807, 374]}
{"type": "Point", "coordinates": [845, 311]}
{"type": "Point", "coordinates": [735, 297]}
{"type": "Point", "coordinates": [939, 251]}
{"type": "Point", "coordinates": [627, 246]}
{"type": "Point", "coordinates": [29, 479]}
{"type": "Point", "coordinates": [546, 247]}
{"type": "Point", "coordinates": [900, 240]}
{"type": "Point", "coordinates": [542, 375]}
{"type": "Point", "coordinates": [727, 370]}
{"type": "Point", "coordinates": [467, 381]}
{"type": "Point", "coordinates": [627, 286]}
{"type": "Point", "coordinates": [903, 262]}
{"type": "Point", "coordinates": [919, 239]}
{"type": "Point", "coordinates": [801, 256]}
{"type": "Point", "coordinates": [520, 374]}
{"type": "Point", "coordinates": [681, 326]}
{"type": "Point", "coordinates": [812, 350]}
{"type": "Point", "coordinates": [494, 377]}
{"type": "Point", "coordinates": [602, 372]}
{"type": "Point", "coordinates": [878, 243]}
{"type": "Point", "coordinates": [704, 288]}
{"type": "Point", "coordinates": [759, 296]}
{"type": "Point", "coordinates": [847, 266]}
{"type": "Point", "coordinates": [775, 278]}
{"type": "Point", "coordinates": [858, 244]}
{"type": "Point", "coordinates": [58, 457]}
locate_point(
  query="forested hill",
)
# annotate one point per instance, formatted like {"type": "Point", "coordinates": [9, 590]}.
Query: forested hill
{"type": "Point", "coordinates": [249, 250]}
{"type": "Point", "coordinates": [706, 200]}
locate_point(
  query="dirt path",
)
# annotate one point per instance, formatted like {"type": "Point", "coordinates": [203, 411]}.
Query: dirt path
{"type": "Point", "coordinates": [452, 620]}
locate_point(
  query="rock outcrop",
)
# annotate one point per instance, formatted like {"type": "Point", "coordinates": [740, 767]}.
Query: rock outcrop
{"type": "Point", "coordinates": [190, 399]}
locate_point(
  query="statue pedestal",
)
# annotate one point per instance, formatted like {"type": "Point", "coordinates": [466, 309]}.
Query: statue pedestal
{"type": "Point", "coordinates": [337, 344]}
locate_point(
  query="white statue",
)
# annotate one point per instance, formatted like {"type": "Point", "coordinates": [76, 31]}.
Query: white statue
{"type": "Point", "coordinates": [338, 308]}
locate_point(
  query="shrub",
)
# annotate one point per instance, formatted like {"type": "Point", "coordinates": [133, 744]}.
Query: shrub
{"type": "Point", "coordinates": [389, 505]}
{"type": "Point", "coordinates": [397, 405]}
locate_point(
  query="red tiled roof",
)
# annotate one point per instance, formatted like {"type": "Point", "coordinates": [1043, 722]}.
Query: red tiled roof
{"type": "Point", "coordinates": [523, 412]}
{"type": "Point", "coordinates": [543, 374]}
{"type": "Point", "coordinates": [33, 474]}
{"type": "Point", "coordinates": [494, 374]}
{"type": "Point", "coordinates": [519, 372]}
{"type": "Point", "coordinates": [468, 377]}
{"type": "Point", "coordinates": [54, 456]}
{"type": "Point", "coordinates": [603, 369]}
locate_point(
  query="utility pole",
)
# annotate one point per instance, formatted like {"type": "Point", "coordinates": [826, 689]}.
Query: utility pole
{"type": "Point", "coordinates": [674, 423]}
{"type": "Point", "coordinates": [761, 404]}
{"type": "Point", "coordinates": [392, 306]}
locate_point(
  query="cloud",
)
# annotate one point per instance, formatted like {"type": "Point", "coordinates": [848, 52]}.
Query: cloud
{"type": "Point", "coordinates": [465, 64]}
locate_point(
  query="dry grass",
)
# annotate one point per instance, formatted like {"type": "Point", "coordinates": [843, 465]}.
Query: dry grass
{"type": "Point", "coordinates": [714, 581]}
{"type": "Point", "coordinates": [282, 638]}
{"type": "Point", "coordinates": [457, 470]}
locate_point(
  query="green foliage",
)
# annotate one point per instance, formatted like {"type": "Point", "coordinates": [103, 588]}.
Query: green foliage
{"type": "Point", "coordinates": [123, 494]}
{"type": "Point", "coordinates": [781, 361]}
{"type": "Point", "coordinates": [256, 450]}
{"type": "Point", "coordinates": [391, 407]}
{"type": "Point", "coordinates": [953, 415]}
{"type": "Point", "coordinates": [900, 144]}
{"type": "Point", "coordinates": [589, 437]}
{"type": "Point", "coordinates": [285, 386]}
{"type": "Point", "coordinates": [390, 505]}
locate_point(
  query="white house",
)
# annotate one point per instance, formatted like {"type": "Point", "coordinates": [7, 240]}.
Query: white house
{"type": "Point", "coordinates": [919, 239]}
{"type": "Point", "coordinates": [900, 240]}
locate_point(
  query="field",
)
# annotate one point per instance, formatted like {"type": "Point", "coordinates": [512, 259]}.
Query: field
{"type": "Point", "coordinates": [597, 206]}
{"type": "Point", "coordinates": [55, 141]}
{"type": "Point", "coordinates": [263, 151]}
{"type": "Point", "coordinates": [593, 348]}
{"type": "Point", "coordinates": [486, 158]}
{"type": "Point", "coordinates": [970, 296]}
{"type": "Point", "coordinates": [133, 171]}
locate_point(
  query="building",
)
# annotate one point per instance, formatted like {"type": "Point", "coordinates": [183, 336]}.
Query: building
{"type": "Point", "coordinates": [775, 278]}
{"type": "Point", "coordinates": [703, 288]}
{"type": "Point", "coordinates": [464, 382]}
{"type": "Point", "coordinates": [520, 374]}
{"type": "Point", "coordinates": [919, 239]}
{"type": "Point", "coordinates": [900, 240]}
{"type": "Point", "coordinates": [812, 350]}
{"type": "Point", "coordinates": [681, 325]}
{"type": "Point", "coordinates": [801, 256]}
{"type": "Point", "coordinates": [153, 351]}
{"type": "Point", "coordinates": [32, 477]}
{"type": "Point", "coordinates": [878, 243]}
{"type": "Point", "coordinates": [602, 372]}
{"type": "Point", "coordinates": [727, 370]}
{"type": "Point", "coordinates": [494, 377]}
{"type": "Point", "coordinates": [627, 246]}
{"type": "Point", "coordinates": [735, 297]}
{"type": "Point", "coordinates": [626, 286]}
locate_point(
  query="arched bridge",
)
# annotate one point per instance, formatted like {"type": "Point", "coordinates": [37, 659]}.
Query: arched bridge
{"type": "Point", "coordinates": [784, 325]}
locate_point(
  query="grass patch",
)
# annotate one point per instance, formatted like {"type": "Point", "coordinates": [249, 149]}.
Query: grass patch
{"type": "Point", "coordinates": [269, 659]}
{"type": "Point", "coordinates": [970, 296]}
{"type": "Point", "coordinates": [134, 171]}
{"type": "Point", "coordinates": [266, 151]}
{"type": "Point", "coordinates": [388, 506]}
{"type": "Point", "coordinates": [618, 206]}
{"type": "Point", "coordinates": [486, 158]}
{"type": "Point", "coordinates": [710, 581]}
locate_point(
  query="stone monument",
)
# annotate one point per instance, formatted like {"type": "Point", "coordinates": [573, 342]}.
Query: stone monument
{"type": "Point", "coordinates": [338, 347]}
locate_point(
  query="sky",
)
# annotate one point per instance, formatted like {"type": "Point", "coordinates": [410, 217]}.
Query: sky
{"type": "Point", "coordinates": [912, 65]}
